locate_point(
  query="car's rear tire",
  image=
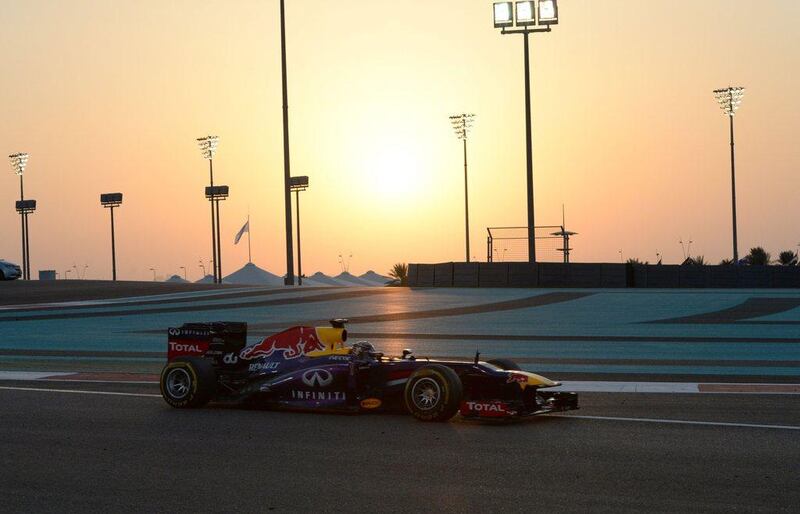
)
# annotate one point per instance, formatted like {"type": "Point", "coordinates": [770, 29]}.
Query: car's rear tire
{"type": "Point", "coordinates": [506, 364]}
{"type": "Point", "coordinates": [2, 276]}
{"type": "Point", "coordinates": [433, 393]}
{"type": "Point", "coordinates": [188, 382]}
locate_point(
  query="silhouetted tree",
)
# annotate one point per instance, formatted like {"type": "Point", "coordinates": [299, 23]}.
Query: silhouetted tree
{"type": "Point", "coordinates": [634, 260]}
{"type": "Point", "coordinates": [698, 260]}
{"type": "Point", "coordinates": [787, 258]}
{"type": "Point", "coordinates": [726, 262]}
{"type": "Point", "coordinates": [758, 257]}
{"type": "Point", "coordinates": [400, 272]}
{"type": "Point", "coordinates": [694, 261]}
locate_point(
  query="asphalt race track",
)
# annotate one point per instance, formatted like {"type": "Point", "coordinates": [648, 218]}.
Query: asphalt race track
{"type": "Point", "coordinates": [83, 427]}
{"type": "Point", "coordinates": [88, 452]}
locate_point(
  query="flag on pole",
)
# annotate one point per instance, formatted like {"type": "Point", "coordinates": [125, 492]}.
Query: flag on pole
{"type": "Point", "coordinates": [245, 228]}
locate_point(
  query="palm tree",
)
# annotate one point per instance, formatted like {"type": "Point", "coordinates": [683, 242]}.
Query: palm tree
{"type": "Point", "coordinates": [400, 272]}
{"type": "Point", "coordinates": [636, 261]}
{"type": "Point", "coordinates": [758, 257]}
{"type": "Point", "coordinates": [787, 258]}
{"type": "Point", "coordinates": [697, 261]}
{"type": "Point", "coordinates": [726, 262]}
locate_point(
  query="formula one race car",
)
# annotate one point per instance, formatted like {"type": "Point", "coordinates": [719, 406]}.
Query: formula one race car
{"type": "Point", "coordinates": [311, 369]}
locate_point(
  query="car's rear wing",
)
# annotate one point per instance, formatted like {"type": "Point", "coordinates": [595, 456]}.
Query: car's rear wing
{"type": "Point", "coordinates": [200, 339]}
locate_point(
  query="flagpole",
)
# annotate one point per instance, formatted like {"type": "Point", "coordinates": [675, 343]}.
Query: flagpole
{"type": "Point", "coordinates": [249, 253]}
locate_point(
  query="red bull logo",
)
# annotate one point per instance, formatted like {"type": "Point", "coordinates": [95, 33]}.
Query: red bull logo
{"type": "Point", "coordinates": [291, 344]}
{"type": "Point", "coordinates": [516, 377]}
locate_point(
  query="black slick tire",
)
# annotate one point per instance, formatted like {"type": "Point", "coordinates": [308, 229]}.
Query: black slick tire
{"type": "Point", "coordinates": [433, 393]}
{"type": "Point", "coordinates": [188, 382]}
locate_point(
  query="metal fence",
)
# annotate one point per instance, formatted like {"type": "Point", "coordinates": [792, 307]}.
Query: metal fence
{"type": "Point", "coordinates": [510, 244]}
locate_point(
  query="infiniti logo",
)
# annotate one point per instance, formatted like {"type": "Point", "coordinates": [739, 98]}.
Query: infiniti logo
{"type": "Point", "coordinates": [317, 377]}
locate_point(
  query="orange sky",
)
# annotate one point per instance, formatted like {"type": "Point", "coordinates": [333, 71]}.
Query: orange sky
{"type": "Point", "coordinates": [109, 95]}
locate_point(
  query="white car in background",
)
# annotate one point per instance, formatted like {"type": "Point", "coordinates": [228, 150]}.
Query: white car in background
{"type": "Point", "coordinates": [9, 271]}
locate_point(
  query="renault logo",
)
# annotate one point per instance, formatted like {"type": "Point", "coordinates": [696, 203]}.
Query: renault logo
{"type": "Point", "coordinates": [317, 377]}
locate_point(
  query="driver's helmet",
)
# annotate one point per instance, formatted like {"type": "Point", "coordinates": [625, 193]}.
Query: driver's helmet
{"type": "Point", "coordinates": [363, 350]}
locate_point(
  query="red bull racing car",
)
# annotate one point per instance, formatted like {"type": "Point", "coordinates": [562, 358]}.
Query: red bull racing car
{"type": "Point", "coordinates": [313, 369]}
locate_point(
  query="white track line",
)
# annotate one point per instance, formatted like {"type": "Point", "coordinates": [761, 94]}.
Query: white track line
{"type": "Point", "coordinates": [596, 386]}
{"type": "Point", "coordinates": [32, 375]}
{"type": "Point", "coordinates": [678, 422]}
{"type": "Point", "coordinates": [71, 381]}
{"type": "Point", "coordinates": [76, 391]}
{"type": "Point", "coordinates": [568, 416]}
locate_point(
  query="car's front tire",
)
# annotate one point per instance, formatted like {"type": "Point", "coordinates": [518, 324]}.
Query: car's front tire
{"type": "Point", "coordinates": [188, 382]}
{"type": "Point", "coordinates": [433, 393]}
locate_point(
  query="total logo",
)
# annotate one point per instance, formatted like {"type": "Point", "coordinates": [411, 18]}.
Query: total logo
{"type": "Point", "coordinates": [187, 348]}
{"type": "Point", "coordinates": [486, 409]}
{"type": "Point", "coordinates": [317, 377]}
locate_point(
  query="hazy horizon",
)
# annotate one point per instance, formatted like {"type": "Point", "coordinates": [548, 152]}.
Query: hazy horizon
{"type": "Point", "coordinates": [110, 96]}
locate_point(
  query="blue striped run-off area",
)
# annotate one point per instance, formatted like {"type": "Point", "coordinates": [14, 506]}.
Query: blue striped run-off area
{"type": "Point", "coordinates": [712, 335]}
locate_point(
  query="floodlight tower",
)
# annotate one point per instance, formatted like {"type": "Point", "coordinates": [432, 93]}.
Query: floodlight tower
{"type": "Point", "coordinates": [462, 123]}
{"type": "Point", "coordinates": [298, 184]}
{"type": "Point", "coordinates": [287, 174]}
{"type": "Point", "coordinates": [208, 147]}
{"type": "Point", "coordinates": [216, 194]}
{"type": "Point", "coordinates": [729, 100]}
{"type": "Point", "coordinates": [19, 161]}
{"type": "Point", "coordinates": [531, 17]}
{"type": "Point", "coordinates": [110, 201]}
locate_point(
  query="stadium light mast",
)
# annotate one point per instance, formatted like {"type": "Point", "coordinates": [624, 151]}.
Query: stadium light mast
{"type": "Point", "coordinates": [217, 194]}
{"type": "Point", "coordinates": [729, 100]}
{"type": "Point", "coordinates": [531, 17]}
{"type": "Point", "coordinates": [298, 184]}
{"type": "Point", "coordinates": [208, 147]}
{"type": "Point", "coordinates": [287, 175]}
{"type": "Point", "coordinates": [110, 201]}
{"type": "Point", "coordinates": [19, 161]}
{"type": "Point", "coordinates": [462, 123]}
